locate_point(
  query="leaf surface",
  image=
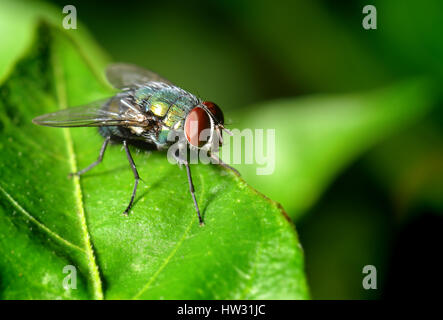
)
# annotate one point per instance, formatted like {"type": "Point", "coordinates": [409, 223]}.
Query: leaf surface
{"type": "Point", "coordinates": [247, 250]}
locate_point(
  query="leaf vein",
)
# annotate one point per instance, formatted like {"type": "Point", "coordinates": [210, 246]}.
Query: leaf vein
{"type": "Point", "coordinates": [171, 254]}
{"type": "Point", "coordinates": [166, 261]}
{"type": "Point", "coordinates": [38, 223]}
{"type": "Point", "coordinates": [94, 273]}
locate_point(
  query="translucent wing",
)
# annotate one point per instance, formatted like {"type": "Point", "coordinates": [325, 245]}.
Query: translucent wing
{"type": "Point", "coordinates": [114, 111]}
{"type": "Point", "coordinates": [123, 75]}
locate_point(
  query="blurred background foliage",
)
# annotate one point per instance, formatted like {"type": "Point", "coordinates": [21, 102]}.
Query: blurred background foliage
{"type": "Point", "coordinates": [359, 113]}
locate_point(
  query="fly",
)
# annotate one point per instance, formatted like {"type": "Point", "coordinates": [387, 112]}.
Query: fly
{"type": "Point", "coordinates": [144, 112]}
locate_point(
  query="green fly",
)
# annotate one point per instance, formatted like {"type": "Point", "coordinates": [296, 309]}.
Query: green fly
{"type": "Point", "coordinates": [144, 113]}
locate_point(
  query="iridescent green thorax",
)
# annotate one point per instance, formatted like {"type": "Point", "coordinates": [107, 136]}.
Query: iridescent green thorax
{"type": "Point", "coordinates": [169, 104]}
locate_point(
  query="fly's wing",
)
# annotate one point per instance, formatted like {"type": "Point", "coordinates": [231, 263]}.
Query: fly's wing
{"type": "Point", "coordinates": [123, 75]}
{"type": "Point", "coordinates": [114, 111]}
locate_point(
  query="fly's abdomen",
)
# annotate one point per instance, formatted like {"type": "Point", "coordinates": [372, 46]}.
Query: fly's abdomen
{"type": "Point", "coordinates": [108, 131]}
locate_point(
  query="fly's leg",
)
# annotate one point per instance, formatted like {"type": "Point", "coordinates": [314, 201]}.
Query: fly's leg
{"type": "Point", "coordinates": [225, 165]}
{"type": "Point", "coordinates": [136, 176]}
{"type": "Point", "coordinates": [181, 160]}
{"type": "Point", "coordinates": [191, 189]}
{"type": "Point", "coordinates": [92, 165]}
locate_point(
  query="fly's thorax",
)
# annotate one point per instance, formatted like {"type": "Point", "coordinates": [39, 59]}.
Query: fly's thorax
{"type": "Point", "coordinates": [167, 105]}
{"type": "Point", "coordinates": [157, 97]}
{"type": "Point", "coordinates": [171, 124]}
{"type": "Point", "coordinates": [174, 110]}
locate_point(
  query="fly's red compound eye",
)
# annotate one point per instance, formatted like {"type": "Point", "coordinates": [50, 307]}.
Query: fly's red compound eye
{"type": "Point", "coordinates": [215, 110]}
{"type": "Point", "coordinates": [197, 121]}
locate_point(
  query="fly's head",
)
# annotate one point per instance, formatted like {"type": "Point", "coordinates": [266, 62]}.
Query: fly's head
{"type": "Point", "coordinates": [204, 125]}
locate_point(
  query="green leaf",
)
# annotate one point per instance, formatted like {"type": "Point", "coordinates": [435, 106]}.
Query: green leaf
{"type": "Point", "coordinates": [316, 137]}
{"type": "Point", "coordinates": [18, 22]}
{"type": "Point", "coordinates": [247, 249]}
